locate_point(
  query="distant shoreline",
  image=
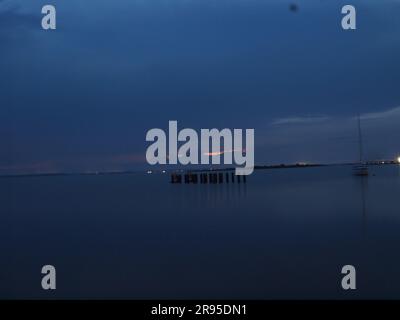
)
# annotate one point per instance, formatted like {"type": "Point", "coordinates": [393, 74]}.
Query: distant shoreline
{"type": "Point", "coordinates": [258, 167]}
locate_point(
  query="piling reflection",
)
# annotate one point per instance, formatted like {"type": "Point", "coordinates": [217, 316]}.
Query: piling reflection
{"type": "Point", "coordinates": [210, 189]}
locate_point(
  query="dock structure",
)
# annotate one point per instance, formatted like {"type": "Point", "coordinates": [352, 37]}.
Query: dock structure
{"type": "Point", "coordinates": [206, 178]}
{"type": "Point", "coordinates": [212, 178]}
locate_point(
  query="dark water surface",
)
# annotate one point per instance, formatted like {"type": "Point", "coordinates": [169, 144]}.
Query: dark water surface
{"type": "Point", "coordinates": [285, 234]}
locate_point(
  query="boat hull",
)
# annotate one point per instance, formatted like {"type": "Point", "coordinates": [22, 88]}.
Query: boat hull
{"type": "Point", "coordinates": [360, 170]}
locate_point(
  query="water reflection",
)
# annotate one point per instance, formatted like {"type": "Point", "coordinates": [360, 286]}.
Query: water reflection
{"type": "Point", "coordinates": [363, 187]}
{"type": "Point", "coordinates": [193, 240]}
{"type": "Point", "coordinates": [189, 197]}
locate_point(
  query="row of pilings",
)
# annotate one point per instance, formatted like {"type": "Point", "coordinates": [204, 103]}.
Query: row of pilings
{"type": "Point", "coordinates": [207, 177]}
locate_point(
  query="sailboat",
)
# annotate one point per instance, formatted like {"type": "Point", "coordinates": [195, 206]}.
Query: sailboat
{"type": "Point", "coordinates": [361, 169]}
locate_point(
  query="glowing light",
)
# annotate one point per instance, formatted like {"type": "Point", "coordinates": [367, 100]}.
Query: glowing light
{"type": "Point", "coordinates": [398, 159]}
{"type": "Point", "coordinates": [218, 153]}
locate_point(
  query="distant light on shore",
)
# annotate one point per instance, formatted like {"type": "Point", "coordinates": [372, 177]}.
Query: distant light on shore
{"type": "Point", "coordinates": [398, 159]}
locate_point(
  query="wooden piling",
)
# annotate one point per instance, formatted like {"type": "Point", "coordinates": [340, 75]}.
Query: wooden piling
{"type": "Point", "coordinates": [205, 178]}
{"type": "Point", "coordinates": [176, 178]}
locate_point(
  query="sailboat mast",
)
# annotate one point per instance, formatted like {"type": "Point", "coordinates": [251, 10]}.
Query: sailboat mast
{"type": "Point", "coordinates": [360, 139]}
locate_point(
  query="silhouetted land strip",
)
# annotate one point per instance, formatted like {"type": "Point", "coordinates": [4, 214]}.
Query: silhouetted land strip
{"type": "Point", "coordinates": [259, 167]}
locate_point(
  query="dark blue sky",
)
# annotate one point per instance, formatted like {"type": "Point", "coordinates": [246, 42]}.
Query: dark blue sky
{"type": "Point", "coordinates": [83, 97]}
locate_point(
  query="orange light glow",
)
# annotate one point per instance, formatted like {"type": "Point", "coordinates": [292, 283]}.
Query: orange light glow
{"type": "Point", "coordinates": [218, 153]}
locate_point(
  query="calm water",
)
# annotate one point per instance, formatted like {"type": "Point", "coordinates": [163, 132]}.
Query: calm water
{"type": "Point", "coordinates": [285, 234]}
